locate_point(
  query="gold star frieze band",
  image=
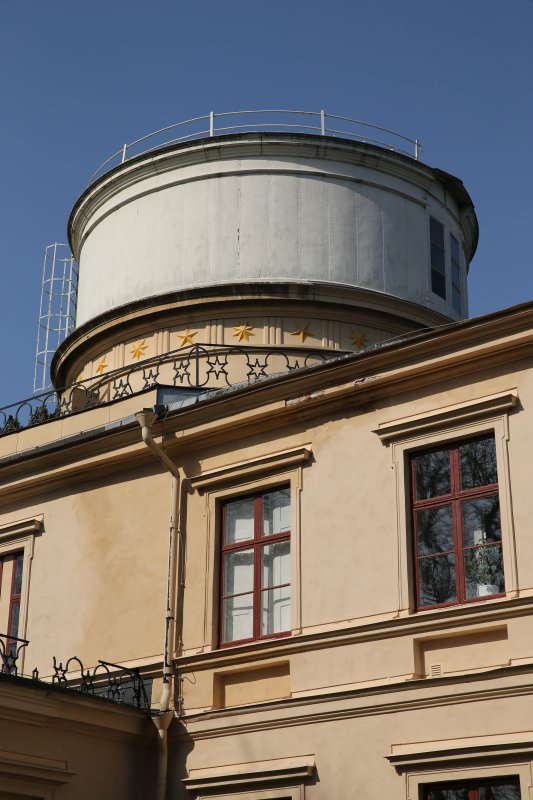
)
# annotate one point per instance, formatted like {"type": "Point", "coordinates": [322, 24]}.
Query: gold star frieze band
{"type": "Point", "coordinates": [358, 339]}
{"type": "Point", "coordinates": [187, 337]}
{"type": "Point", "coordinates": [102, 365]}
{"type": "Point", "coordinates": [137, 351]}
{"type": "Point", "coordinates": [243, 332]}
{"type": "Point", "coordinates": [302, 331]}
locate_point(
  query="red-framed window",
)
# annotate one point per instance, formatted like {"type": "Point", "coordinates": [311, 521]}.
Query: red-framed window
{"type": "Point", "coordinates": [456, 523]}
{"type": "Point", "coordinates": [255, 590]}
{"type": "Point", "coordinates": [11, 566]}
{"type": "Point", "coordinates": [491, 789]}
{"type": "Point", "coordinates": [16, 592]}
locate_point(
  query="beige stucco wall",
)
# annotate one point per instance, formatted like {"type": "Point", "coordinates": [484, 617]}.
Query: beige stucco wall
{"type": "Point", "coordinates": [349, 683]}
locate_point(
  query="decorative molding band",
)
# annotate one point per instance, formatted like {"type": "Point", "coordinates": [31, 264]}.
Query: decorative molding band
{"type": "Point", "coordinates": [461, 412]}
{"type": "Point", "coordinates": [20, 528]}
{"type": "Point", "coordinates": [212, 725]}
{"type": "Point", "coordinates": [420, 754]}
{"type": "Point", "coordinates": [264, 772]}
{"type": "Point", "coordinates": [251, 468]}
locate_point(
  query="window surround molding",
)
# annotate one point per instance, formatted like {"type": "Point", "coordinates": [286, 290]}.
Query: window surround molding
{"type": "Point", "coordinates": [251, 476]}
{"type": "Point", "coordinates": [416, 780]}
{"type": "Point", "coordinates": [405, 435]}
{"type": "Point", "coordinates": [448, 415]}
{"type": "Point", "coordinates": [32, 777]}
{"type": "Point", "coordinates": [228, 782]}
{"type": "Point", "coordinates": [467, 751]}
{"type": "Point", "coordinates": [19, 535]}
{"type": "Point", "coordinates": [465, 759]}
{"type": "Point", "coordinates": [251, 467]}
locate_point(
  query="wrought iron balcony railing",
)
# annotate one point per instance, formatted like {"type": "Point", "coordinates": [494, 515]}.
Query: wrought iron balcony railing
{"type": "Point", "coordinates": [10, 650]}
{"type": "Point", "coordinates": [112, 681]}
{"type": "Point", "coordinates": [199, 366]}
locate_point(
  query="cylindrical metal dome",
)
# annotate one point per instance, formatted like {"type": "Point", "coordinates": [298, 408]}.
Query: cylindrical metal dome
{"type": "Point", "coordinates": [337, 222]}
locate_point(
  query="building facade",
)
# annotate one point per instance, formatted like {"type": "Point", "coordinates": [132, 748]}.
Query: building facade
{"type": "Point", "coordinates": [286, 486]}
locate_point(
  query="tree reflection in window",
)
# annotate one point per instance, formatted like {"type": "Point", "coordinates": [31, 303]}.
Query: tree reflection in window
{"type": "Point", "coordinates": [456, 522]}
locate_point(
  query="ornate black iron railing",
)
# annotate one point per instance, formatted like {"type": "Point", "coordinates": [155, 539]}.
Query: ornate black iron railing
{"type": "Point", "coordinates": [10, 649]}
{"type": "Point", "coordinates": [115, 682]}
{"type": "Point", "coordinates": [112, 681]}
{"type": "Point", "coordinates": [199, 366]}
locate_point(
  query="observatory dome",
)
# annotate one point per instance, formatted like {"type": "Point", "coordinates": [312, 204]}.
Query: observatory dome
{"type": "Point", "coordinates": [289, 237]}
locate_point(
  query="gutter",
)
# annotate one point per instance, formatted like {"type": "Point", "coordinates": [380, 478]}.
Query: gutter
{"type": "Point", "coordinates": [146, 419]}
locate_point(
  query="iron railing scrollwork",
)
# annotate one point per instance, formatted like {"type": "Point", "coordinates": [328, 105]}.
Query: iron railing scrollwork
{"type": "Point", "coordinates": [123, 685]}
{"type": "Point", "coordinates": [11, 648]}
{"type": "Point", "coordinates": [198, 366]}
{"type": "Point", "coordinates": [113, 681]}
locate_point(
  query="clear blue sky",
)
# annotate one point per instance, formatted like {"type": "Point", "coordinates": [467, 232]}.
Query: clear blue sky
{"type": "Point", "coordinates": [79, 79]}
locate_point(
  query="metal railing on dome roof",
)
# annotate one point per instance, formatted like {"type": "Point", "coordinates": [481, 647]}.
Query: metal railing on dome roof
{"type": "Point", "coordinates": [315, 122]}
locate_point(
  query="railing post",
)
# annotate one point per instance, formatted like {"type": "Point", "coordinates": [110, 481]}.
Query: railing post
{"type": "Point", "coordinates": [322, 122]}
{"type": "Point", "coordinates": [417, 149]}
{"type": "Point", "coordinates": [211, 124]}
{"type": "Point", "coordinates": [124, 153]}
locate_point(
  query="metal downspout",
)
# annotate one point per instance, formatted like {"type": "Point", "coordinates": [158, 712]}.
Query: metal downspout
{"type": "Point", "coordinates": [146, 419]}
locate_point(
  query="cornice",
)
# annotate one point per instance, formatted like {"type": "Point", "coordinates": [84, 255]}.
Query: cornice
{"type": "Point", "coordinates": [56, 708]}
{"type": "Point", "coordinates": [352, 381]}
{"type": "Point", "coordinates": [408, 696]}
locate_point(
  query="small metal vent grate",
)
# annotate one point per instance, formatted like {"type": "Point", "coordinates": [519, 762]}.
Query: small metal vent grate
{"type": "Point", "coordinates": [435, 670]}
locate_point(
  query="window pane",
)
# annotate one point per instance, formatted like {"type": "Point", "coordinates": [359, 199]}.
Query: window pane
{"type": "Point", "coordinates": [478, 463]}
{"type": "Point", "coordinates": [276, 610]}
{"type": "Point", "coordinates": [276, 564]}
{"type": "Point", "coordinates": [436, 578]}
{"type": "Point", "coordinates": [484, 571]}
{"type": "Point", "coordinates": [437, 260]}
{"type": "Point", "coordinates": [436, 232]}
{"type": "Point", "coordinates": [497, 789]}
{"type": "Point", "coordinates": [456, 275]}
{"type": "Point", "coordinates": [238, 521]}
{"type": "Point", "coordinates": [454, 249]}
{"type": "Point", "coordinates": [17, 584]}
{"type": "Point", "coordinates": [277, 512]}
{"type": "Point", "coordinates": [434, 533]}
{"type": "Point", "coordinates": [239, 572]}
{"type": "Point", "coordinates": [481, 521]}
{"type": "Point", "coordinates": [438, 284]}
{"type": "Point", "coordinates": [432, 474]}
{"type": "Point", "coordinates": [238, 618]}
{"type": "Point", "coordinates": [459, 793]}
{"type": "Point", "coordinates": [500, 791]}
{"type": "Point", "coordinates": [456, 299]}
{"type": "Point", "coordinates": [15, 614]}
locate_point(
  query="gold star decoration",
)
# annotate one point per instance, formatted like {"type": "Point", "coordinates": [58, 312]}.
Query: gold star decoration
{"type": "Point", "coordinates": [187, 337]}
{"type": "Point", "coordinates": [302, 331]}
{"type": "Point", "coordinates": [102, 365]}
{"type": "Point", "coordinates": [243, 332]}
{"type": "Point", "coordinates": [358, 339]}
{"type": "Point", "coordinates": [137, 351]}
